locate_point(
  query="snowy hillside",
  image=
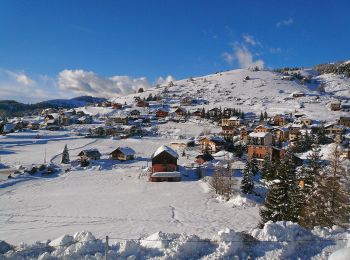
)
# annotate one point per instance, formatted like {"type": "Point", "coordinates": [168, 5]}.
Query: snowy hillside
{"type": "Point", "coordinates": [264, 90]}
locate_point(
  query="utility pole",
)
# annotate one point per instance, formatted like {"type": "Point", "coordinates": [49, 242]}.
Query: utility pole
{"type": "Point", "coordinates": [45, 157]}
{"type": "Point", "coordinates": [106, 248]}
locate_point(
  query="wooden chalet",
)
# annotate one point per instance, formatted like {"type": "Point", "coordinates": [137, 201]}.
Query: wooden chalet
{"type": "Point", "coordinates": [161, 113]}
{"type": "Point", "coordinates": [164, 165]}
{"type": "Point", "coordinates": [280, 120]}
{"type": "Point", "coordinates": [228, 131]}
{"type": "Point", "coordinates": [117, 106]}
{"type": "Point", "coordinates": [232, 121]}
{"type": "Point", "coordinates": [203, 158]}
{"type": "Point", "coordinates": [180, 111]}
{"type": "Point", "coordinates": [212, 144]}
{"type": "Point", "coordinates": [280, 134]}
{"type": "Point", "coordinates": [123, 154]}
{"type": "Point", "coordinates": [345, 121]}
{"type": "Point", "coordinates": [142, 103]}
{"type": "Point", "coordinates": [90, 154]}
{"type": "Point", "coordinates": [262, 129]}
{"type": "Point", "coordinates": [335, 106]}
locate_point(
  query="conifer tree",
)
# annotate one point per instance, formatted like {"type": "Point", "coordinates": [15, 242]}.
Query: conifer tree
{"type": "Point", "coordinates": [328, 201]}
{"type": "Point", "coordinates": [265, 115]}
{"type": "Point", "coordinates": [284, 198]}
{"type": "Point", "coordinates": [261, 117]}
{"type": "Point", "coordinates": [65, 155]}
{"type": "Point", "coordinates": [267, 170]}
{"type": "Point", "coordinates": [247, 183]}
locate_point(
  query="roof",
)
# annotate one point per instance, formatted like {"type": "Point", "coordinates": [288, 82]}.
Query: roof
{"type": "Point", "coordinates": [260, 134]}
{"type": "Point", "coordinates": [90, 152]}
{"type": "Point", "coordinates": [125, 150]}
{"type": "Point", "coordinates": [234, 118]}
{"type": "Point", "coordinates": [166, 174]}
{"type": "Point", "coordinates": [166, 149]}
{"type": "Point", "coordinates": [215, 139]}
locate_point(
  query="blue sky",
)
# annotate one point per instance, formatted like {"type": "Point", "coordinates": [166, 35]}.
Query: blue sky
{"type": "Point", "coordinates": [64, 48]}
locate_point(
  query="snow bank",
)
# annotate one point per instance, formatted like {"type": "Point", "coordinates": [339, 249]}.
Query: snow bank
{"type": "Point", "coordinates": [281, 240]}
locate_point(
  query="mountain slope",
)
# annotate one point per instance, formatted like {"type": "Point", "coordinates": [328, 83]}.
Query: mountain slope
{"type": "Point", "coordinates": [265, 90]}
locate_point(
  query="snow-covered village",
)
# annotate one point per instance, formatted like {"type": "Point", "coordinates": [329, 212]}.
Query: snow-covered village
{"type": "Point", "coordinates": [247, 162]}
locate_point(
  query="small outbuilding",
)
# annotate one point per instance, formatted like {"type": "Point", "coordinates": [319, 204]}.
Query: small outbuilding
{"type": "Point", "coordinates": [89, 154]}
{"type": "Point", "coordinates": [123, 154]}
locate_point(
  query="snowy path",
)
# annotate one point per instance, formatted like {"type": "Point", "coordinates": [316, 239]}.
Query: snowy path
{"type": "Point", "coordinates": [113, 202]}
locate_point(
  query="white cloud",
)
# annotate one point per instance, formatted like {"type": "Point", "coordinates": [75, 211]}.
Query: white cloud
{"type": "Point", "coordinates": [285, 22]}
{"type": "Point", "coordinates": [89, 83]}
{"type": "Point", "coordinates": [166, 80]}
{"type": "Point", "coordinates": [243, 56]}
{"type": "Point", "coordinates": [18, 86]}
{"type": "Point", "coordinates": [249, 39]}
{"type": "Point", "coordinates": [20, 77]}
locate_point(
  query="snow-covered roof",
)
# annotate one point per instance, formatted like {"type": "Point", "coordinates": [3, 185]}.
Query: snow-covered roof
{"type": "Point", "coordinates": [260, 134]}
{"type": "Point", "coordinates": [167, 149]}
{"type": "Point", "coordinates": [126, 150]}
{"type": "Point", "coordinates": [233, 118]}
{"type": "Point", "coordinates": [166, 174]}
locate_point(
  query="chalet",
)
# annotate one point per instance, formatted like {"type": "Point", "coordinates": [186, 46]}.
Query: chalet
{"type": "Point", "coordinates": [345, 121]}
{"type": "Point", "coordinates": [305, 120]}
{"type": "Point", "coordinates": [117, 106]}
{"type": "Point", "coordinates": [298, 94]}
{"type": "Point", "coordinates": [142, 103]}
{"type": "Point", "coordinates": [212, 144]}
{"type": "Point", "coordinates": [244, 133]}
{"type": "Point", "coordinates": [89, 154]}
{"type": "Point", "coordinates": [64, 119]}
{"type": "Point", "coordinates": [51, 118]}
{"type": "Point", "coordinates": [180, 111]}
{"type": "Point", "coordinates": [335, 106]}
{"type": "Point", "coordinates": [161, 113]}
{"type": "Point", "coordinates": [97, 131]}
{"type": "Point", "coordinates": [182, 143]}
{"type": "Point", "coordinates": [260, 152]}
{"type": "Point", "coordinates": [336, 131]}
{"type": "Point", "coordinates": [87, 119]}
{"type": "Point", "coordinates": [280, 134]}
{"type": "Point", "coordinates": [34, 125]}
{"type": "Point", "coordinates": [197, 113]}
{"type": "Point", "coordinates": [260, 138]}
{"type": "Point", "coordinates": [187, 101]}
{"type": "Point", "coordinates": [123, 154]}
{"type": "Point", "coordinates": [164, 165]}
{"type": "Point", "coordinates": [121, 119]}
{"type": "Point", "coordinates": [228, 131]}
{"type": "Point", "coordinates": [213, 112]}
{"type": "Point", "coordinates": [134, 113]}
{"type": "Point", "coordinates": [203, 158]}
{"type": "Point", "coordinates": [262, 129]}
{"type": "Point", "coordinates": [280, 120]}
{"type": "Point", "coordinates": [232, 121]}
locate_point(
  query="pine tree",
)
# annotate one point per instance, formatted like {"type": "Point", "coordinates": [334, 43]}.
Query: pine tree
{"type": "Point", "coordinates": [65, 155]}
{"type": "Point", "coordinates": [328, 201]}
{"type": "Point", "coordinates": [284, 198]}
{"type": "Point", "coordinates": [265, 115]}
{"type": "Point", "coordinates": [254, 166]}
{"type": "Point", "coordinates": [321, 137]}
{"type": "Point", "coordinates": [247, 183]}
{"type": "Point", "coordinates": [261, 117]}
{"type": "Point", "coordinates": [267, 170]}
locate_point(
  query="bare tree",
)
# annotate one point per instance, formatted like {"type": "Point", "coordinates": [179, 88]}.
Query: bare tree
{"type": "Point", "coordinates": [222, 181]}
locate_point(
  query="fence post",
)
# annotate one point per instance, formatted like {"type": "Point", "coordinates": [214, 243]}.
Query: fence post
{"type": "Point", "coordinates": [106, 248]}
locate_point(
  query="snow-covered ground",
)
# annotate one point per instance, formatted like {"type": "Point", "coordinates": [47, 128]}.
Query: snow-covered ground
{"type": "Point", "coordinates": [108, 198]}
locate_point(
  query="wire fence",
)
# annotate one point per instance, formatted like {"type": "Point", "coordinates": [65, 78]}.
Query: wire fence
{"type": "Point", "coordinates": [104, 241]}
